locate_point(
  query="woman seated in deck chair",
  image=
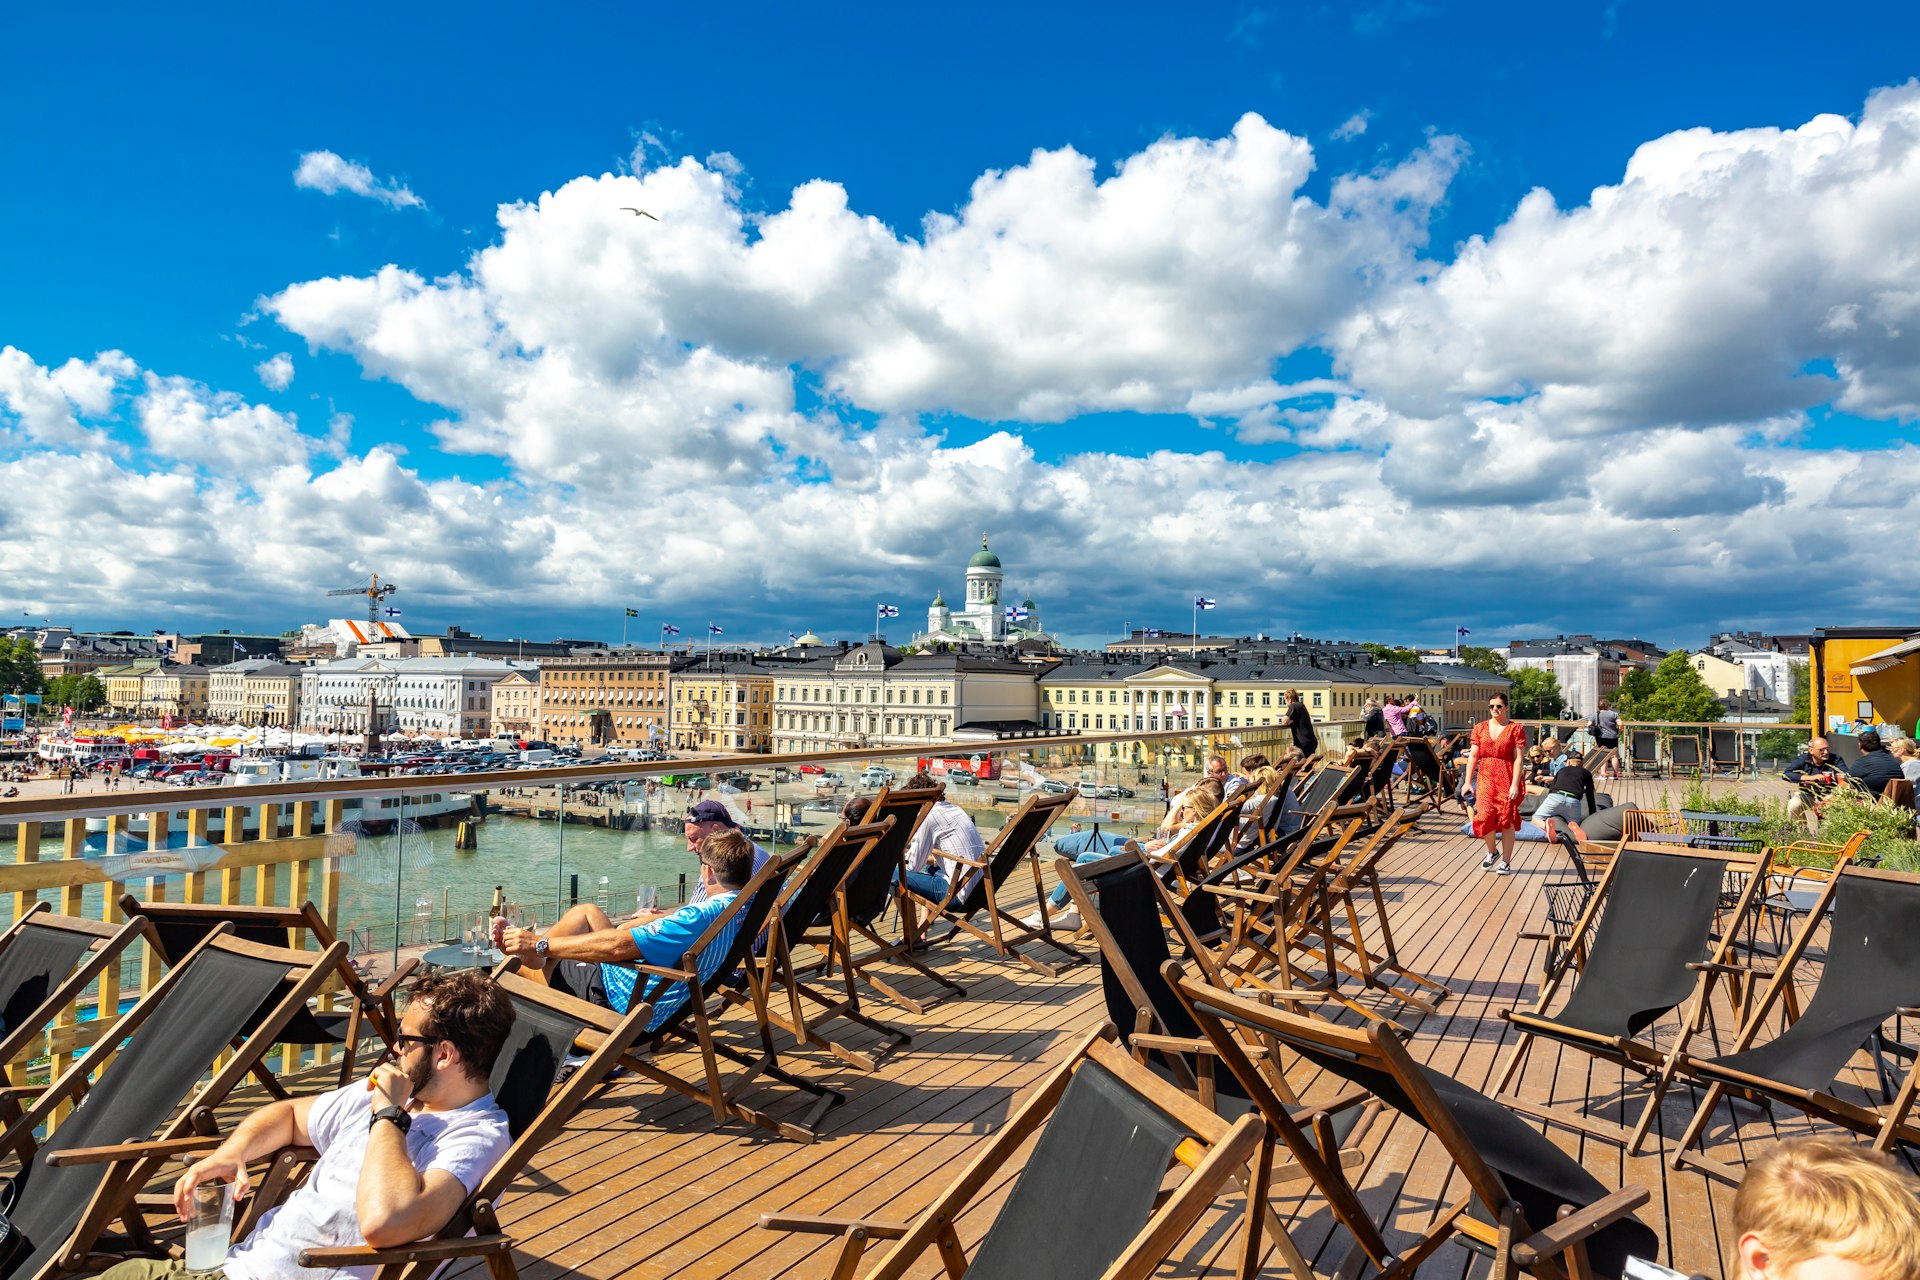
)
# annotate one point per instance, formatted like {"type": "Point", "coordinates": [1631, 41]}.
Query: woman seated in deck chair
{"type": "Point", "coordinates": [399, 1152]}
{"type": "Point", "coordinates": [1191, 805]}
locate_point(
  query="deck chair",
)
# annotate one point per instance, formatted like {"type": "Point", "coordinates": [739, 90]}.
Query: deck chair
{"type": "Point", "coordinates": [810, 911]}
{"type": "Point", "coordinates": [1643, 751]}
{"type": "Point", "coordinates": [1683, 754]}
{"type": "Point", "coordinates": [1377, 785]}
{"type": "Point", "coordinates": [1328, 927]}
{"type": "Point", "coordinates": [1087, 1205]}
{"type": "Point", "coordinates": [1723, 750]}
{"type": "Point", "coordinates": [1653, 951]}
{"type": "Point", "coordinates": [1185, 861]}
{"type": "Point", "coordinates": [679, 1000]}
{"type": "Point", "coordinates": [1519, 1184]}
{"type": "Point", "coordinates": [182, 925]}
{"type": "Point", "coordinates": [146, 1103]}
{"type": "Point", "coordinates": [46, 961]}
{"type": "Point", "coordinates": [1871, 975]}
{"type": "Point", "coordinates": [1429, 778]}
{"type": "Point", "coordinates": [546, 1026]}
{"type": "Point", "coordinates": [1323, 789]}
{"type": "Point", "coordinates": [875, 885]}
{"type": "Point", "coordinates": [979, 889]}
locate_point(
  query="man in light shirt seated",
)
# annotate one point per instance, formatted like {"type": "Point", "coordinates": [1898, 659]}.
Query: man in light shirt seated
{"type": "Point", "coordinates": [930, 869]}
{"type": "Point", "coordinates": [400, 1151]}
{"type": "Point", "coordinates": [587, 956]}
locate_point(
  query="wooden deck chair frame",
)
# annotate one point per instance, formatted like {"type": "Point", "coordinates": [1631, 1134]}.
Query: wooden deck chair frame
{"type": "Point", "coordinates": [105, 944]}
{"type": "Point", "coordinates": [372, 1005]}
{"type": "Point", "coordinates": [1643, 752]}
{"type": "Point", "coordinates": [1724, 751]}
{"type": "Point", "coordinates": [606, 1037]}
{"type": "Point", "coordinates": [1330, 930]}
{"type": "Point", "coordinates": [131, 1165]}
{"type": "Point", "coordinates": [1188, 858]}
{"type": "Point", "coordinates": [1428, 770]}
{"type": "Point", "coordinates": [1658, 1066]}
{"type": "Point", "coordinates": [1265, 913]}
{"type": "Point", "coordinates": [1016, 842]}
{"type": "Point", "coordinates": [907, 809]}
{"type": "Point", "coordinates": [1885, 1126]}
{"type": "Point", "coordinates": [1555, 1250]}
{"type": "Point", "coordinates": [1151, 1034]}
{"type": "Point", "coordinates": [1684, 756]}
{"type": "Point", "coordinates": [835, 856]}
{"type": "Point", "coordinates": [1216, 1153]}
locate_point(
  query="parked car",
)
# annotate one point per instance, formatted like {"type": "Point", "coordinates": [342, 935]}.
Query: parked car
{"type": "Point", "coordinates": [876, 776]}
{"type": "Point", "coordinates": [740, 781]}
{"type": "Point", "coordinates": [811, 768]}
{"type": "Point", "coordinates": [961, 778]}
{"type": "Point", "coordinates": [1055, 788]}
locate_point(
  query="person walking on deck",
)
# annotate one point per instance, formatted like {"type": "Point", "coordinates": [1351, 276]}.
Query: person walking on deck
{"type": "Point", "coordinates": [1494, 778]}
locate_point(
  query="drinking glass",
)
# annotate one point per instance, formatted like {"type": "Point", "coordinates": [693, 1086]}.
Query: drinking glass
{"type": "Point", "coordinates": [646, 898]}
{"type": "Point", "coordinates": [209, 1226]}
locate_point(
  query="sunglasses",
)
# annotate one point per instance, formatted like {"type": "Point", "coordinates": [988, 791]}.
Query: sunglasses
{"type": "Point", "coordinates": [402, 1040]}
{"type": "Point", "coordinates": [1495, 706]}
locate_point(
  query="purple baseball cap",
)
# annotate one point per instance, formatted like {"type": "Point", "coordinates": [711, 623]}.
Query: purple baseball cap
{"type": "Point", "coordinates": [712, 812]}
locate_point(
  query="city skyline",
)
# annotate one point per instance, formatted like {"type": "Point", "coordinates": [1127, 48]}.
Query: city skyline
{"type": "Point", "coordinates": [1362, 322]}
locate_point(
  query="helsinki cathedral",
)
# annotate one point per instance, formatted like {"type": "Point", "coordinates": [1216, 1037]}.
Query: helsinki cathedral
{"type": "Point", "coordinates": [983, 618]}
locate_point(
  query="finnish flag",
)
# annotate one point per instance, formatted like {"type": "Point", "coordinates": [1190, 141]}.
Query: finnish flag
{"type": "Point", "coordinates": [889, 611]}
{"type": "Point", "coordinates": [1203, 602]}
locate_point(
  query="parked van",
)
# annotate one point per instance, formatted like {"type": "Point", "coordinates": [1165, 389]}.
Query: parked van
{"type": "Point", "coordinates": [540, 756]}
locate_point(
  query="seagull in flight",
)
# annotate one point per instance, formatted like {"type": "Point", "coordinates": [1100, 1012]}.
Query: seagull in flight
{"type": "Point", "coordinates": [638, 213]}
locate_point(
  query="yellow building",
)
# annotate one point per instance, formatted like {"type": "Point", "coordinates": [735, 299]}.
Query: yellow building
{"type": "Point", "coordinates": [727, 706]}
{"type": "Point", "coordinates": [516, 705]}
{"type": "Point", "coordinates": [617, 697]}
{"type": "Point", "coordinates": [123, 685]}
{"type": "Point", "coordinates": [1866, 673]}
{"type": "Point", "coordinates": [177, 692]}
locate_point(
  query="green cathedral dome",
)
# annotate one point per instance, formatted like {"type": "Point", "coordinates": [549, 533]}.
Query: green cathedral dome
{"type": "Point", "coordinates": [983, 558]}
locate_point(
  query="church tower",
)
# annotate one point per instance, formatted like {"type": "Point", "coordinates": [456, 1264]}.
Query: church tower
{"type": "Point", "coordinates": [939, 617]}
{"type": "Point", "coordinates": [983, 593]}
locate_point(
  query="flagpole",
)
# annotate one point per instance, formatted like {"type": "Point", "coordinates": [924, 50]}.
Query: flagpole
{"type": "Point", "coordinates": [1194, 647]}
{"type": "Point", "coordinates": [623, 628]}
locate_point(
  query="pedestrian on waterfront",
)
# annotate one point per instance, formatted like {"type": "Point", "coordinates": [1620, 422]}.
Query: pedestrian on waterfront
{"type": "Point", "coordinates": [1606, 736]}
{"type": "Point", "coordinates": [1299, 723]}
{"type": "Point", "coordinates": [1376, 726]}
{"type": "Point", "coordinates": [1494, 779]}
{"type": "Point", "coordinates": [1819, 1209]}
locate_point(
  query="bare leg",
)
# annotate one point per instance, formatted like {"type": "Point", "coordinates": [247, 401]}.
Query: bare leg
{"type": "Point", "coordinates": [1506, 846]}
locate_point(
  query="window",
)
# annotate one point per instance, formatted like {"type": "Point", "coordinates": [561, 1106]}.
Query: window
{"type": "Point", "coordinates": [1316, 699]}
{"type": "Point", "coordinates": [1266, 700]}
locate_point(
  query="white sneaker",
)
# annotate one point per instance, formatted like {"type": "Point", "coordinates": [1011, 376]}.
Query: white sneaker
{"type": "Point", "coordinates": [1034, 921]}
{"type": "Point", "coordinates": [1502, 869]}
{"type": "Point", "coordinates": [1486, 863]}
{"type": "Point", "coordinates": [1067, 920]}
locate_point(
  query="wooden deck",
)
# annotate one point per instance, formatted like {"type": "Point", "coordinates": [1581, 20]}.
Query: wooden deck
{"type": "Point", "coordinates": [643, 1184]}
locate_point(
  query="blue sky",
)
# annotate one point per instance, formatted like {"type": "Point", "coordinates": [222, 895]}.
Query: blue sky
{"type": "Point", "coordinates": [1506, 479]}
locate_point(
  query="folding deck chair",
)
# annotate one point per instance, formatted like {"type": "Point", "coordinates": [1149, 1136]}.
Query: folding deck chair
{"type": "Point", "coordinates": [1325, 788]}
{"type": "Point", "coordinates": [1871, 974]}
{"type": "Point", "coordinates": [1429, 778]}
{"type": "Point", "coordinates": [1654, 950]}
{"type": "Point", "coordinates": [182, 925]}
{"type": "Point", "coordinates": [1519, 1184]}
{"type": "Point", "coordinates": [546, 1025]}
{"type": "Point", "coordinates": [1185, 861]}
{"type": "Point", "coordinates": [1327, 927]}
{"type": "Point", "coordinates": [1723, 750]}
{"type": "Point", "coordinates": [679, 996]}
{"type": "Point", "coordinates": [1683, 754]}
{"type": "Point", "coordinates": [876, 884]}
{"type": "Point", "coordinates": [978, 889]}
{"type": "Point", "coordinates": [1087, 1203]}
{"type": "Point", "coordinates": [809, 910]}
{"type": "Point", "coordinates": [1643, 751]}
{"type": "Point", "coordinates": [46, 961]}
{"type": "Point", "coordinates": [87, 1173]}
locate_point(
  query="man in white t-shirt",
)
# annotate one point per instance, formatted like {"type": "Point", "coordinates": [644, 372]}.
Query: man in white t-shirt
{"type": "Point", "coordinates": [399, 1152]}
{"type": "Point", "coordinates": [947, 830]}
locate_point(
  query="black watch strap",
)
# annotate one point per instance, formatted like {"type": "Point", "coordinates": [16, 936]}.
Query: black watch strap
{"type": "Point", "coordinates": [398, 1115]}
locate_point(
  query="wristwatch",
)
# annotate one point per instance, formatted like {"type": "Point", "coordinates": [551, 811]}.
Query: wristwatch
{"type": "Point", "coordinates": [540, 948]}
{"type": "Point", "coordinates": [398, 1115]}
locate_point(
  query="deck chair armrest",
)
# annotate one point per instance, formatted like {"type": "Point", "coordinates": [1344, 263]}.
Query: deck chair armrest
{"type": "Point", "coordinates": [965, 861]}
{"type": "Point", "coordinates": [1248, 894]}
{"type": "Point", "coordinates": [420, 1251]}
{"type": "Point", "coordinates": [1732, 970]}
{"type": "Point", "coordinates": [1577, 1226]}
{"type": "Point", "coordinates": [813, 1225]}
{"type": "Point", "coordinates": [1186, 1044]}
{"type": "Point", "coordinates": [391, 983]}
{"type": "Point", "coordinates": [1354, 1098]}
{"type": "Point", "coordinates": [659, 971]}
{"type": "Point", "coordinates": [1532, 935]}
{"type": "Point", "coordinates": [1905, 1011]}
{"type": "Point", "coordinates": [132, 1150]}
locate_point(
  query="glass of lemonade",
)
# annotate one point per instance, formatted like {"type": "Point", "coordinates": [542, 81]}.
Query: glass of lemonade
{"type": "Point", "coordinates": [646, 898]}
{"type": "Point", "coordinates": [209, 1226]}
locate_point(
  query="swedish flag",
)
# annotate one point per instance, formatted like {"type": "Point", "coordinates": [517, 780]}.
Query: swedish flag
{"type": "Point", "coordinates": [633, 613]}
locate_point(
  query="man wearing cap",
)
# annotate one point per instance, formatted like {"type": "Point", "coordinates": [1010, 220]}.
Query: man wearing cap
{"type": "Point", "coordinates": [703, 820]}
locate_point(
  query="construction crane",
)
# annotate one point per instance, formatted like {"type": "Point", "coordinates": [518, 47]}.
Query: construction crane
{"type": "Point", "coordinates": [375, 593]}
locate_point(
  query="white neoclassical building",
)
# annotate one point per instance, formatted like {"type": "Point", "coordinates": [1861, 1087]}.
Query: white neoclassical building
{"type": "Point", "coordinates": [445, 696]}
{"type": "Point", "coordinates": [984, 617]}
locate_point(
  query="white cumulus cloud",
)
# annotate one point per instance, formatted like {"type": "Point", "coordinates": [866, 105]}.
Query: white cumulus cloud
{"type": "Point", "coordinates": [330, 174]}
{"type": "Point", "coordinates": [276, 373]}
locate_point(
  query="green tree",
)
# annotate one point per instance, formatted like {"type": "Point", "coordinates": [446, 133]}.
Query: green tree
{"type": "Point", "coordinates": [1385, 653]}
{"type": "Point", "coordinates": [20, 666]}
{"type": "Point", "coordinates": [1483, 659]}
{"type": "Point", "coordinates": [1636, 686]}
{"type": "Point", "coordinates": [81, 692]}
{"type": "Point", "coordinates": [1678, 694]}
{"type": "Point", "coordinates": [1536, 694]}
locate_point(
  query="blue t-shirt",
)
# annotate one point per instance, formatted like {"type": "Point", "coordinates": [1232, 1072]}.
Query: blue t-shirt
{"type": "Point", "coordinates": [665, 942]}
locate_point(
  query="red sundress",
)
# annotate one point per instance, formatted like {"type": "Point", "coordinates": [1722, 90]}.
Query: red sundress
{"type": "Point", "coordinates": [1495, 808]}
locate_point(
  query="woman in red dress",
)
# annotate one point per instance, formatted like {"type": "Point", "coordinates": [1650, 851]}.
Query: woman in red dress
{"type": "Point", "coordinates": [1494, 776]}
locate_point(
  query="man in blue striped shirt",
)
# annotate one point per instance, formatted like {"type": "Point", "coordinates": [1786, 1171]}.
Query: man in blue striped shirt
{"type": "Point", "coordinates": [586, 955]}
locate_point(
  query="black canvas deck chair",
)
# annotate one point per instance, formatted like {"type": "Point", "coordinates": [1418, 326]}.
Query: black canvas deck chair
{"type": "Point", "coordinates": [1321, 790]}
{"type": "Point", "coordinates": [1376, 788]}
{"type": "Point", "coordinates": [1643, 752]}
{"type": "Point", "coordinates": [1683, 754]}
{"type": "Point", "coordinates": [1429, 779]}
{"type": "Point", "coordinates": [1723, 750]}
{"type": "Point", "coordinates": [369, 1012]}
{"type": "Point", "coordinates": [148, 1099]}
{"type": "Point", "coordinates": [1871, 975]}
{"type": "Point", "coordinates": [1184, 862]}
{"type": "Point", "coordinates": [978, 889]}
{"type": "Point", "coordinates": [1328, 929]}
{"type": "Point", "coordinates": [721, 951]}
{"type": "Point", "coordinates": [1519, 1184]}
{"type": "Point", "coordinates": [547, 1026]}
{"type": "Point", "coordinates": [1654, 951]}
{"type": "Point", "coordinates": [876, 885]}
{"type": "Point", "coordinates": [46, 961]}
{"type": "Point", "coordinates": [1087, 1205]}
{"type": "Point", "coordinates": [809, 911]}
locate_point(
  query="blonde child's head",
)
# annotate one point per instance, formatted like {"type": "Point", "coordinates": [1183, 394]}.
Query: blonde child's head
{"type": "Point", "coordinates": [1819, 1209]}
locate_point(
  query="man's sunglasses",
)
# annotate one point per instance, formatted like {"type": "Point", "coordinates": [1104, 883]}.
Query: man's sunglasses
{"type": "Point", "coordinates": [402, 1040]}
